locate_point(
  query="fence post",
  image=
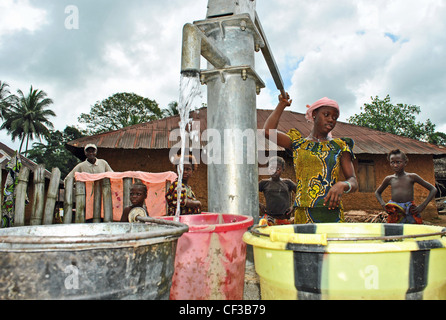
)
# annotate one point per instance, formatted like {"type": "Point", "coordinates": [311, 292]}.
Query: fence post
{"type": "Point", "coordinates": [68, 201]}
{"type": "Point", "coordinates": [39, 195]}
{"type": "Point", "coordinates": [168, 184]}
{"type": "Point", "coordinates": [97, 202]}
{"type": "Point", "coordinates": [19, 208]}
{"type": "Point", "coordinates": [107, 200]}
{"type": "Point", "coordinates": [1, 187]}
{"type": "Point", "coordinates": [126, 185]}
{"type": "Point", "coordinates": [80, 202]}
{"type": "Point", "coordinates": [53, 190]}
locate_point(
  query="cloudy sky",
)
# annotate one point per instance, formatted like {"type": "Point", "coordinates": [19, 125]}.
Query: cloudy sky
{"type": "Point", "coordinates": [348, 50]}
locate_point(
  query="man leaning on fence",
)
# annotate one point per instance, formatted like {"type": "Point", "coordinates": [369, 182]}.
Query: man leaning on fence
{"type": "Point", "coordinates": [91, 164]}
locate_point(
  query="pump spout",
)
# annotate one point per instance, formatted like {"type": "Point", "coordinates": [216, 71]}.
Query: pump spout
{"type": "Point", "coordinates": [195, 45]}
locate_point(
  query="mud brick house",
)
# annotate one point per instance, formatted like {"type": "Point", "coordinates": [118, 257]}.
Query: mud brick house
{"type": "Point", "coordinates": [146, 147]}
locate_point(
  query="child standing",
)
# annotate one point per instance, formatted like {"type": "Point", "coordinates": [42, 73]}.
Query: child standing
{"type": "Point", "coordinates": [138, 195]}
{"type": "Point", "coordinates": [188, 201]}
{"type": "Point", "coordinates": [277, 193]}
{"type": "Point", "coordinates": [402, 208]}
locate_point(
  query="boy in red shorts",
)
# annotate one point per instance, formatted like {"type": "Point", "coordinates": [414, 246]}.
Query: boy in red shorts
{"type": "Point", "coordinates": [401, 208]}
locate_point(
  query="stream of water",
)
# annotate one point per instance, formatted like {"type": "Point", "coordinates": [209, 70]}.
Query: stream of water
{"type": "Point", "coordinates": [190, 89]}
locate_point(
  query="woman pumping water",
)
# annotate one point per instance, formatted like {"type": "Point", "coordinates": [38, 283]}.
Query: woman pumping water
{"type": "Point", "coordinates": [318, 160]}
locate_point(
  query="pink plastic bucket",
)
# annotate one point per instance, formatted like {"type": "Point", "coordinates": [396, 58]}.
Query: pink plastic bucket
{"type": "Point", "coordinates": [210, 258]}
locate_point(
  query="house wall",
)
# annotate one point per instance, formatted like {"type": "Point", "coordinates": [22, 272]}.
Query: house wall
{"type": "Point", "coordinates": [158, 161]}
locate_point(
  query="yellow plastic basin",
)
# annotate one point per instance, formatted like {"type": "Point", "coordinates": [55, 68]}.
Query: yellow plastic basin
{"type": "Point", "coordinates": [350, 261]}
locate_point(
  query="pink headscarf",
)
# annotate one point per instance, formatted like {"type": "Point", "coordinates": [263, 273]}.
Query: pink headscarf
{"type": "Point", "coordinates": [324, 102]}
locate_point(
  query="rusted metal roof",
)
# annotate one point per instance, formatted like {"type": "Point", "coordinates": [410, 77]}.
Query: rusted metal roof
{"type": "Point", "coordinates": [155, 135]}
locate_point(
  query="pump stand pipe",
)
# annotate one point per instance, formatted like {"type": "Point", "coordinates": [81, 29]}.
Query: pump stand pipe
{"type": "Point", "coordinates": [195, 45]}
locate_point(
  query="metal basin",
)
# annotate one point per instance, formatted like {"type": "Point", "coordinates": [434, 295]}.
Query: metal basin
{"type": "Point", "coordinates": [89, 261]}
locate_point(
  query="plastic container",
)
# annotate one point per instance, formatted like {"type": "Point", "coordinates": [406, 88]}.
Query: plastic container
{"type": "Point", "coordinates": [210, 258]}
{"type": "Point", "coordinates": [88, 261]}
{"type": "Point", "coordinates": [350, 261]}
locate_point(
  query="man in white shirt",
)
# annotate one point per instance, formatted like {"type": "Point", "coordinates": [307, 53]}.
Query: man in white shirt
{"type": "Point", "coordinates": [92, 164]}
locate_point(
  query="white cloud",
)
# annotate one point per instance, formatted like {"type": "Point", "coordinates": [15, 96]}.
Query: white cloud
{"type": "Point", "coordinates": [349, 50]}
{"type": "Point", "coordinates": [20, 15]}
{"type": "Point", "coordinates": [353, 50]}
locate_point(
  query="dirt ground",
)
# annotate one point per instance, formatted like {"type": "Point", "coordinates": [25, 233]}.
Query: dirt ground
{"type": "Point", "coordinates": [438, 221]}
{"type": "Point", "coordinates": [380, 216]}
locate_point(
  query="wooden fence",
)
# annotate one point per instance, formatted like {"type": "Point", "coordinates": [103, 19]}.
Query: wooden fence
{"type": "Point", "coordinates": [44, 204]}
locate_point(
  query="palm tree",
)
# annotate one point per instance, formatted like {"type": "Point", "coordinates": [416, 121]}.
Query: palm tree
{"type": "Point", "coordinates": [172, 110]}
{"type": "Point", "coordinates": [28, 117]}
{"type": "Point", "coordinates": [5, 98]}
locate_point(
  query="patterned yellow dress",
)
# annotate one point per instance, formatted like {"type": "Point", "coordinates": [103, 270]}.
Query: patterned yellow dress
{"type": "Point", "coordinates": [317, 166]}
{"type": "Point", "coordinates": [172, 200]}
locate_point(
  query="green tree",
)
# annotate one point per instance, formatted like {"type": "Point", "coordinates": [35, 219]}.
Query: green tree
{"type": "Point", "coordinates": [119, 111]}
{"type": "Point", "coordinates": [53, 154]}
{"type": "Point", "coordinates": [5, 98]}
{"type": "Point", "coordinates": [28, 117]}
{"type": "Point", "coordinates": [398, 119]}
{"type": "Point", "coordinates": [438, 138]}
{"type": "Point", "coordinates": [172, 110]}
